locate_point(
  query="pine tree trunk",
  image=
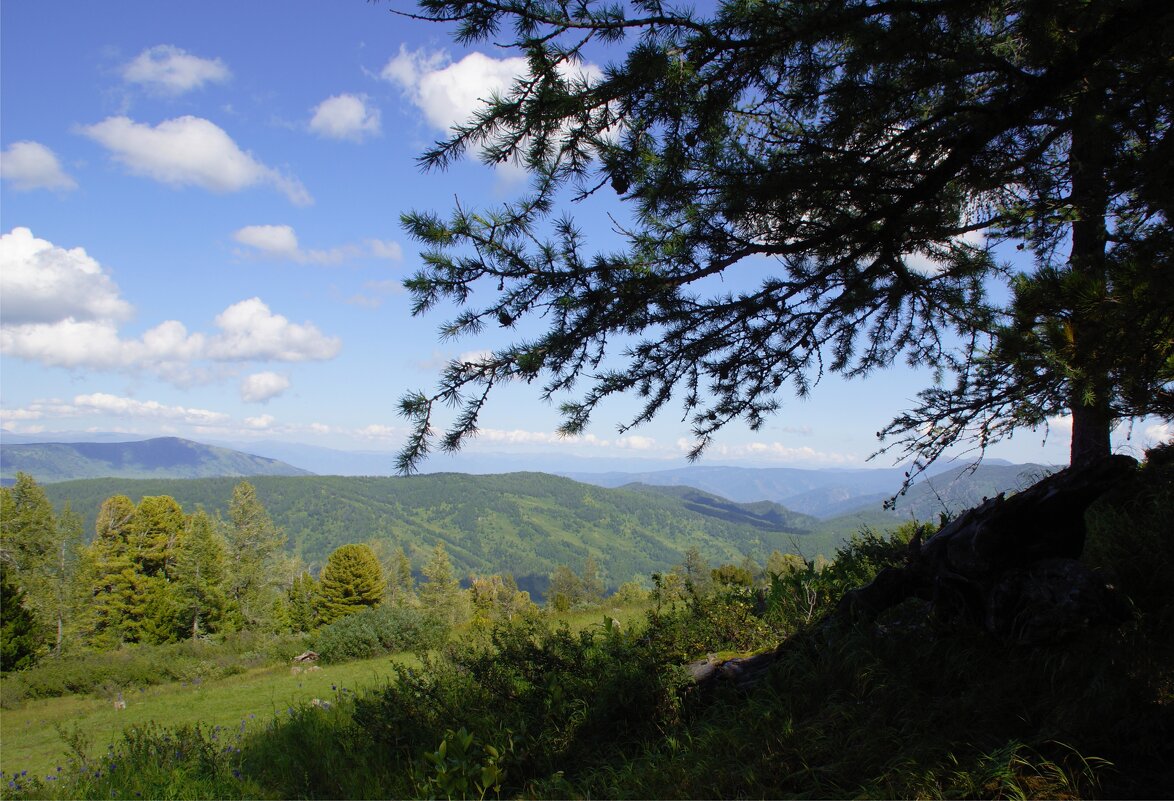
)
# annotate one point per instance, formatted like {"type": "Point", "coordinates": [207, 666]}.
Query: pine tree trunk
{"type": "Point", "coordinates": [1090, 386]}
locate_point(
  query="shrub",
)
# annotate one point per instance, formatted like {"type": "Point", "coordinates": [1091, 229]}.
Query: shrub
{"type": "Point", "coordinates": [381, 629]}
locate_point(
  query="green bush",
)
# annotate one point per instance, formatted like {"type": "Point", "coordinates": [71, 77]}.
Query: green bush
{"type": "Point", "coordinates": [108, 672]}
{"type": "Point", "coordinates": [382, 629]}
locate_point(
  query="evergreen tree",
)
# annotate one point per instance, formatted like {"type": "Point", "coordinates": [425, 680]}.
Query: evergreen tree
{"type": "Point", "coordinates": [28, 535]}
{"type": "Point", "coordinates": [303, 599]}
{"type": "Point", "coordinates": [199, 572]}
{"type": "Point", "coordinates": [155, 530]}
{"type": "Point", "coordinates": [401, 584]}
{"type": "Point", "coordinates": [108, 569]}
{"type": "Point", "coordinates": [256, 573]}
{"type": "Point", "coordinates": [440, 593]}
{"type": "Point", "coordinates": [68, 590]}
{"type": "Point", "coordinates": [875, 155]}
{"type": "Point", "coordinates": [18, 630]}
{"type": "Point", "coordinates": [351, 581]}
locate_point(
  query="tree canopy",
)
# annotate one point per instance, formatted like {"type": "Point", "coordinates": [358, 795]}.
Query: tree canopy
{"type": "Point", "coordinates": [877, 157]}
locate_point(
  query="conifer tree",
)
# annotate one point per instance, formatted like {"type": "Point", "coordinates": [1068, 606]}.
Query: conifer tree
{"type": "Point", "coordinates": [256, 573]}
{"type": "Point", "coordinates": [109, 571]}
{"type": "Point", "coordinates": [867, 165]}
{"type": "Point", "coordinates": [155, 530]}
{"type": "Point", "coordinates": [401, 584]}
{"type": "Point", "coordinates": [19, 641]}
{"type": "Point", "coordinates": [351, 581]}
{"type": "Point", "coordinates": [303, 599]}
{"type": "Point", "coordinates": [199, 574]}
{"type": "Point", "coordinates": [28, 535]}
{"type": "Point", "coordinates": [68, 589]}
{"type": "Point", "coordinates": [440, 593]}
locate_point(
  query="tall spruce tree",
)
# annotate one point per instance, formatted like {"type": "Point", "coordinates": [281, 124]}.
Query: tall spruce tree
{"type": "Point", "coordinates": [865, 159]}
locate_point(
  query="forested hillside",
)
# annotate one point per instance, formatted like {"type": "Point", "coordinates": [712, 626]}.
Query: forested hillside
{"type": "Point", "coordinates": [523, 523]}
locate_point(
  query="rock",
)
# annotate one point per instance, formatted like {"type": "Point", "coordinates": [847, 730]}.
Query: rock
{"type": "Point", "coordinates": [1009, 564]}
{"type": "Point", "coordinates": [308, 656]}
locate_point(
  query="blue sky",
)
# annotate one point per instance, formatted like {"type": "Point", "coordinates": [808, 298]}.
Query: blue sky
{"type": "Point", "coordinates": [200, 216]}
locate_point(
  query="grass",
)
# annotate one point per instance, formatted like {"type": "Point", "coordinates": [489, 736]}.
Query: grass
{"type": "Point", "coordinates": [34, 736]}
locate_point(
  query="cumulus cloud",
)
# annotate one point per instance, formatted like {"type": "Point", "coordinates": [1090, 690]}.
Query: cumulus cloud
{"type": "Point", "coordinates": [170, 70]}
{"type": "Point", "coordinates": [103, 403]}
{"type": "Point", "coordinates": [31, 165]}
{"type": "Point", "coordinates": [281, 242]}
{"type": "Point", "coordinates": [43, 283]}
{"type": "Point", "coordinates": [62, 310]}
{"type": "Point", "coordinates": [345, 117]}
{"type": "Point", "coordinates": [190, 151]}
{"type": "Point", "coordinates": [250, 331]}
{"type": "Point", "coordinates": [260, 422]}
{"type": "Point", "coordinates": [275, 240]}
{"type": "Point", "coordinates": [260, 387]}
{"type": "Point", "coordinates": [449, 93]}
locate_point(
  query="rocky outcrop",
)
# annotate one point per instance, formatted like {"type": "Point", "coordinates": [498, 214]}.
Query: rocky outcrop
{"type": "Point", "coordinates": [1010, 565]}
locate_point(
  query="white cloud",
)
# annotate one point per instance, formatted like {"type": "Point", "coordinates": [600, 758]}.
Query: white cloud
{"type": "Point", "coordinates": [171, 70]}
{"type": "Point", "coordinates": [189, 151]}
{"type": "Point", "coordinates": [260, 422]}
{"type": "Point", "coordinates": [260, 387]}
{"type": "Point", "coordinates": [276, 240]}
{"type": "Point", "coordinates": [60, 308]}
{"type": "Point", "coordinates": [385, 249]}
{"type": "Point", "coordinates": [1159, 433]}
{"type": "Point", "coordinates": [281, 242]}
{"type": "Point", "coordinates": [773, 452]}
{"type": "Point", "coordinates": [448, 93]}
{"type": "Point", "coordinates": [103, 403]}
{"type": "Point", "coordinates": [250, 331]}
{"type": "Point", "coordinates": [42, 283]}
{"type": "Point", "coordinates": [378, 432]}
{"type": "Point", "coordinates": [475, 356]}
{"type": "Point", "coordinates": [636, 443]}
{"type": "Point", "coordinates": [31, 165]}
{"type": "Point", "coordinates": [345, 117]}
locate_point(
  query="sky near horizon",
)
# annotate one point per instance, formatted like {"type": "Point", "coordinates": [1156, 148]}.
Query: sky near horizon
{"type": "Point", "coordinates": [200, 217]}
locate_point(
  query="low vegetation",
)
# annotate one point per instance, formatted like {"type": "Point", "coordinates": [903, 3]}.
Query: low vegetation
{"type": "Point", "coordinates": [508, 699]}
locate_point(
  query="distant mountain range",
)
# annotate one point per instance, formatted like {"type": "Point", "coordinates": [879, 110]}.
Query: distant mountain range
{"type": "Point", "coordinates": [828, 494]}
{"type": "Point", "coordinates": [162, 457]}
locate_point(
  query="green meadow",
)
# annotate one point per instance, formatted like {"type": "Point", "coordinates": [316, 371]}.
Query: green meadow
{"type": "Point", "coordinates": [35, 735]}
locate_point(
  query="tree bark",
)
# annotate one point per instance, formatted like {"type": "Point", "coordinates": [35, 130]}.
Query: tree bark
{"type": "Point", "coordinates": [1090, 386]}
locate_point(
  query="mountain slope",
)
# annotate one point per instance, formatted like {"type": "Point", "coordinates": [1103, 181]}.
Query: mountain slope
{"type": "Point", "coordinates": [524, 523]}
{"type": "Point", "coordinates": [162, 457]}
{"type": "Point", "coordinates": [832, 493]}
